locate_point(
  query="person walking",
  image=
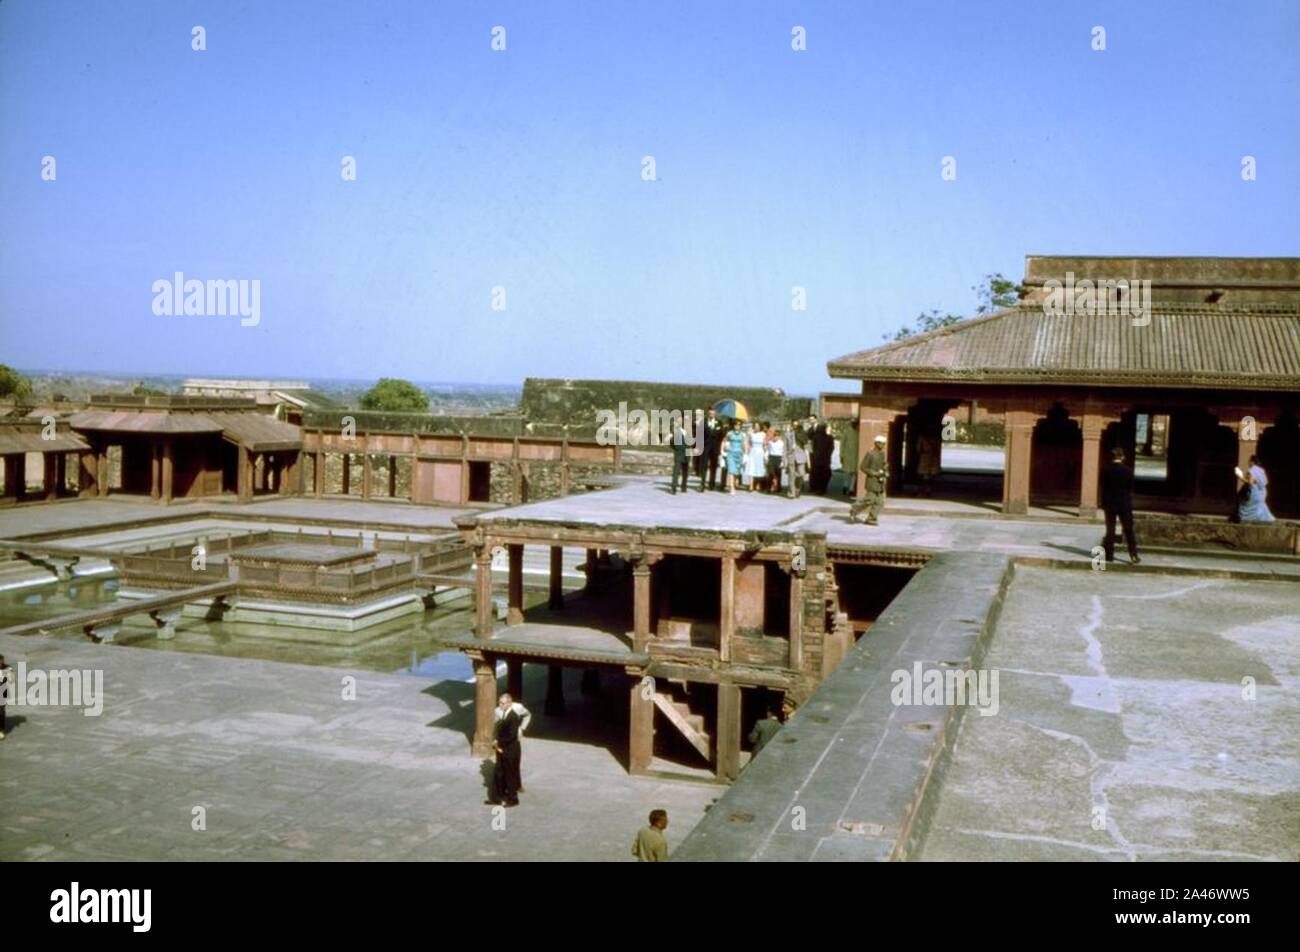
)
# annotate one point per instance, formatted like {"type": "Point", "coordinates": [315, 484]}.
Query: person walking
{"type": "Point", "coordinates": [650, 845]}
{"type": "Point", "coordinates": [875, 469]}
{"type": "Point", "coordinates": [735, 454]}
{"type": "Point", "coordinates": [1117, 501]}
{"type": "Point", "coordinates": [505, 777]}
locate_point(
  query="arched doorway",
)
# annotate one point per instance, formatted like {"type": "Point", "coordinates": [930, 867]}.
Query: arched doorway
{"type": "Point", "coordinates": [1056, 460]}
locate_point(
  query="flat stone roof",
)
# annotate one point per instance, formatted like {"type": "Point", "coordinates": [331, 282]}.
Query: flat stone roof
{"type": "Point", "coordinates": [648, 504]}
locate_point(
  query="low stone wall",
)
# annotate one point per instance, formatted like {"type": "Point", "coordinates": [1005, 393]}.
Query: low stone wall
{"type": "Point", "coordinates": [1279, 538]}
{"type": "Point", "coordinates": [852, 776]}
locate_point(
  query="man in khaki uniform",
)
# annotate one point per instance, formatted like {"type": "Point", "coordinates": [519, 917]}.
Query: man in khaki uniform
{"type": "Point", "coordinates": [651, 846]}
{"type": "Point", "coordinates": [875, 469]}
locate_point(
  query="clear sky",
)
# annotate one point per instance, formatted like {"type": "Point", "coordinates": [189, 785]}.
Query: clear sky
{"type": "Point", "coordinates": [523, 169]}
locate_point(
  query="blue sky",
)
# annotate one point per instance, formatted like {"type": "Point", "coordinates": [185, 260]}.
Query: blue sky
{"type": "Point", "coordinates": [523, 169]}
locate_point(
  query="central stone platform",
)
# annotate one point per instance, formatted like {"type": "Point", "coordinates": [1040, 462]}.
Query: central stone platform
{"type": "Point", "coordinates": [303, 553]}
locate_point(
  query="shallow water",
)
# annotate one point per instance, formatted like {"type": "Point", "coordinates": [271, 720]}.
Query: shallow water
{"type": "Point", "coordinates": [407, 645]}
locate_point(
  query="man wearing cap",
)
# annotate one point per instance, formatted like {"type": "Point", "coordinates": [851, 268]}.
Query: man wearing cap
{"type": "Point", "coordinates": [875, 467]}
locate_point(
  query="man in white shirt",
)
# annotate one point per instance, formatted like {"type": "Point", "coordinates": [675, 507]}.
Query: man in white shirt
{"type": "Point", "coordinates": [525, 718]}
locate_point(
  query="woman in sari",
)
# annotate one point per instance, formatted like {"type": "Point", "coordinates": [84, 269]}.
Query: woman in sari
{"type": "Point", "coordinates": [1252, 504]}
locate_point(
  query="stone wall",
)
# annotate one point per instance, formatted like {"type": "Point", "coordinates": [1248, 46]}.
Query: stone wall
{"type": "Point", "coordinates": [575, 402]}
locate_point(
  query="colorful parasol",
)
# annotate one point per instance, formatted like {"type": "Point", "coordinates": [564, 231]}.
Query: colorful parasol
{"type": "Point", "coordinates": [732, 409]}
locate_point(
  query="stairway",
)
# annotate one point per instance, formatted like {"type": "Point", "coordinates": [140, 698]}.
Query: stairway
{"type": "Point", "coordinates": [682, 716]}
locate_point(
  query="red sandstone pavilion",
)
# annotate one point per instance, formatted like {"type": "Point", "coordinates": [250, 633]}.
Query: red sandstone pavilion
{"type": "Point", "coordinates": [703, 606]}
{"type": "Point", "coordinates": [1217, 355]}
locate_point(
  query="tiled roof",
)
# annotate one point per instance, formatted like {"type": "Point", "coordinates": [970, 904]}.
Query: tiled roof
{"type": "Point", "coordinates": [15, 440]}
{"type": "Point", "coordinates": [143, 421]}
{"type": "Point", "coordinates": [260, 432]}
{"type": "Point", "coordinates": [1196, 345]}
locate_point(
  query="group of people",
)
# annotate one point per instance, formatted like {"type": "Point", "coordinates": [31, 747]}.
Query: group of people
{"type": "Point", "coordinates": [756, 456]}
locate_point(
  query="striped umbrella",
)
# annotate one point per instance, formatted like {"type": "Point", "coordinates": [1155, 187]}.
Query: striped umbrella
{"type": "Point", "coordinates": [732, 409]}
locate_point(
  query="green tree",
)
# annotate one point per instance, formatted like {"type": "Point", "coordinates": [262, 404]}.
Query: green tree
{"type": "Point", "coordinates": [395, 396]}
{"type": "Point", "coordinates": [13, 384]}
{"type": "Point", "coordinates": [141, 390]}
{"type": "Point", "coordinates": [996, 292]}
{"type": "Point", "coordinates": [993, 293]}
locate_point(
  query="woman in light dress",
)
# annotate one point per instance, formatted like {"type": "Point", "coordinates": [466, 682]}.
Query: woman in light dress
{"type": "Point", "coordinates": [755, 456]}
{"type": "Point", "coordinates": [733, 447]}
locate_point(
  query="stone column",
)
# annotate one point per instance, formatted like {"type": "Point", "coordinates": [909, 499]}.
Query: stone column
{"type": "Point", "coordinates": [155, 471]}
{"type": "Point", "coordinates": [565, 476]}
{"type": "Point", "coordinates": [515, 602]}
{"type": "Point", "coordinates": [1093, 425]}
{"type": "Point", "coordinates": [367, 472]}
{"type": "Point", "coordinates": [728, 731]}
{"type": "Point", "coordinates": [557, 577]}
{"type": "Point", "coordinates": [1016, 465]}
{"type": "Point", "coordinates": [484, 614]}
{"type": "Point", "coordinates": [318, 477]}
{"type": "Point", "coordinates": [796, 621]}
{"type": "Point", "coordinates": [727, 619]}
{"type": "Point", "coordinates": [168, 469]}
{"type": "Point", "coordinates": [244, 476]}
{"type": "Point", "coordinates": [593, 574]}
{"type": "Point", "coordinates": [485, 702]}
{"type": "Point", "coordinates": [102, 470]}
{"type": "Point", "coordinates": [88, 474]}
{"type": "Point", "coordinates": [640, 605]}
{"type": "Point", "coordinates": [641, 732]}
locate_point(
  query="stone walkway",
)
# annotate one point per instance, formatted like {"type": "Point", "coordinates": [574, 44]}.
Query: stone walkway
{"type": "Point", "coordinates": [286, 769]}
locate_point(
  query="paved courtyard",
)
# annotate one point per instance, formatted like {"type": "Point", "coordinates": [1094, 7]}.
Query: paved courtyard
{"type": "Point", "coordinates": [1124, 731]}
{"type": "Point", "coordinates": [286, 769]}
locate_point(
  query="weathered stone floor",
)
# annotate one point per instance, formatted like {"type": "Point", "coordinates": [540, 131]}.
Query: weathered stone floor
{"type": "Point", "coordinates": [286, 769]}
{"type": "Point", "coordinates": [1123, 733]}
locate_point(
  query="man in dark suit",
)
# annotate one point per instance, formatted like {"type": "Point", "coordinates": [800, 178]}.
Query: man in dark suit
{"type": "Point", "coordinates": [683, 442]}
{"type": "Point", "coordinates": [505, 779]}
{"type": "Point", "coordinates": [713, 431]}
{"type": "Point", "coordinates": [1117, 500]}
{"type": "Point", "coordinates": [823, 445]}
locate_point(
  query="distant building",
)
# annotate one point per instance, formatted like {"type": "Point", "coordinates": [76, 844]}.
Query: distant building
{"type": "Point", "coordinates": [289, 398]}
